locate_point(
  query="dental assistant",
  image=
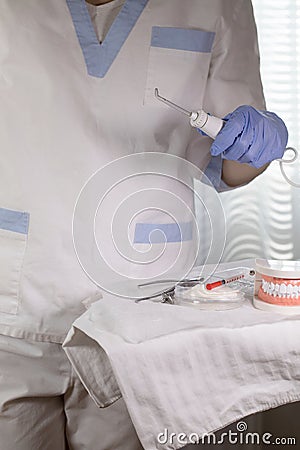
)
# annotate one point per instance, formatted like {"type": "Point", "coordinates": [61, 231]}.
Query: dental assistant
{"type": "Point", "coordinates": [77, 87]}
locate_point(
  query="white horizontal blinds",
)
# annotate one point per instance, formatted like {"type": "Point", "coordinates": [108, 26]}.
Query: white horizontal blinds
{"type": "Point", "coordinates": [263, 218]}
{"type": "Point", "coordinates": [279, 37]}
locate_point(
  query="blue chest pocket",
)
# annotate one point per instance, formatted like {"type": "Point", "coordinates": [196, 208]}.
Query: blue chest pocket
{"type": "Point", "coordinates": [13, 239]}
{"type": "Point", "coordinates": [178, 65]}
{"type": "Point", "coordinates": [182, 39]}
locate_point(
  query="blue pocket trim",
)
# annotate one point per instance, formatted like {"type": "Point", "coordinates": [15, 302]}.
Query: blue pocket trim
{"type": "Point", "coordinates": [99, 57]}
{"type": "Point", "coordinates": [182, 39]}
{"type": "Point", "coordinates": [159, 233]}
{"type": "Point", "coordinates": [14, 221]}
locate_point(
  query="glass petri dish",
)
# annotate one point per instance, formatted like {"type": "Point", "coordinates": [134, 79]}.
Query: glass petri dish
{"type": "Point", "coordinates": [218, 299]}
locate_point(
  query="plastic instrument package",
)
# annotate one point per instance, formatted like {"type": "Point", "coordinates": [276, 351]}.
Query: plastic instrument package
{"type": "Point", "coordinates": [221, 298]}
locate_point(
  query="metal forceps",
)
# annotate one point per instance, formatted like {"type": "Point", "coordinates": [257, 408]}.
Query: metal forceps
{"type": "Point", "coordinates": [167, 295]}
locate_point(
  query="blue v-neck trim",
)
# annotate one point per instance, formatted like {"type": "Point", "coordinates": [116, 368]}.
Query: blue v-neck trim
{"type": "Point", "coordinates": [99, 57]}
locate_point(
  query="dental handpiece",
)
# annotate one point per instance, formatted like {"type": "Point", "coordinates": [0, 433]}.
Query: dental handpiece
{"type": "Point", "coordinates": [210, 125]}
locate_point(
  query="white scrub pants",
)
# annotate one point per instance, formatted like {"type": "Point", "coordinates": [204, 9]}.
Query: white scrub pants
{"type": "Point", "coordinates": [44, 406]}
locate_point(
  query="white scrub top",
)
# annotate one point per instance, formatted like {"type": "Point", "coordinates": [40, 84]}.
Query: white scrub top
{"type": "Point", "coordinates": [69, 105]}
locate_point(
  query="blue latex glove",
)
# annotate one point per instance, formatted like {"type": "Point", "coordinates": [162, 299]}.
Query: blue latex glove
{"type": "Point", "coordinates": [251, 136]}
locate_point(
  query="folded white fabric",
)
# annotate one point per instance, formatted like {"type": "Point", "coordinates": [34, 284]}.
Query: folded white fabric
{"type": "Point", "coordinates": [183, 370]}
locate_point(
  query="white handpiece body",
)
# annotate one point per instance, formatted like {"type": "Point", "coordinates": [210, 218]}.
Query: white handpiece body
{"type": "Point", "coordinates": [210, 125]}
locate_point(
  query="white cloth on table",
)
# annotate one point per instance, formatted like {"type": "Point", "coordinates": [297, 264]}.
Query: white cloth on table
{"type": "Point", "coordinates": [185, 370]}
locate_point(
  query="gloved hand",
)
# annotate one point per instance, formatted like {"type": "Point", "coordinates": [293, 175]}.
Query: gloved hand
{"type": "Point", "coordinates": [251, 136]}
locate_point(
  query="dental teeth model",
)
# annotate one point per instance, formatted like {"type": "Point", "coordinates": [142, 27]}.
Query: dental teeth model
{"type": "Point", "coordinates": [277, 286]}
{"type": "Point", "coordinates": [286, 291]}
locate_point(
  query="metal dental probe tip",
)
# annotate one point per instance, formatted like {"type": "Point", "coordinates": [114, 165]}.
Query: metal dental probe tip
{"type": "Point", "coordinates": [209, 124]}
{"type": "Point", "coordinates": [171, 104]}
